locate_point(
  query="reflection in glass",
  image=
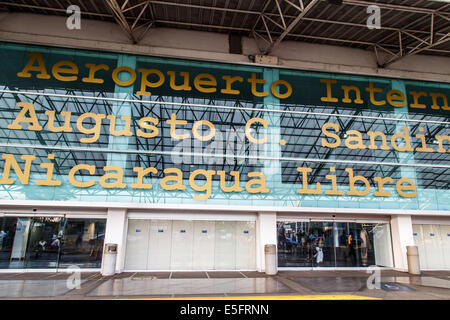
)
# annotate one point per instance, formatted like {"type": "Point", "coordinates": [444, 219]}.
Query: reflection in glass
{"type": "Point", "coordinates": [83, 243]}
{"type": "Point", "coordinates": [44, 243]}
{"type": "Point", "coordinates": [7, 233]}
{"type": "Point", "coordinates": [333, 244]}
{"type": "Point", "coordinates": [51, 242]}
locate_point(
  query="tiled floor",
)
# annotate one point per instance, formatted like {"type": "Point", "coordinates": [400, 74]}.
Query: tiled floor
{"type": "Point", "coordinates": [33, 288]}
{"type": "Point", "coordinates": [332, 284]}
{"type": "Point", "coordinates": [52, 285]}
{"type": "Point", "coordinates": [421, 281]}
{"type": "Point", "coordinates": [144, 287]}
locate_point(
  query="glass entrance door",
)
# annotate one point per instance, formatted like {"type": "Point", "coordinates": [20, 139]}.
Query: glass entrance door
{"type": "Point", "coordinates": [306, 244]}
{"type": "Point", "coordinates": [295, 244]}
{"type": "Point", "coordinates": [333, 244]}
{"type": "Point", "coordinates": [44, 243]}
{"type": "Point", "coordinates": [7, 234]}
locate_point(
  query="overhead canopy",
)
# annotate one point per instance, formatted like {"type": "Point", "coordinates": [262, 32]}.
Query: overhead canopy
{"type": "Point", "coordinates": [407, 26]}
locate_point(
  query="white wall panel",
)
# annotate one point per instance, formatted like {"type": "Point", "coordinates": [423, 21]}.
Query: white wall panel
{"type": "Point", "coordinates": [182, 245]}
{"type": "Point", "coordinates": [433, 249]}
{"type": "Point", "coordinates": [225, 253]}
{"type": "Point", "coordinates": [445, 241]}
{"type": "Point", "coordinates": [418, 240]}
{"type": "Point", "coordinates": [204, 242]}
{"type": "Point", "coordinates": [245, 245]}
{"type": "Point", "coordinates": [160, 245]}
{"type": "Point", "coordinates": [137, 244]}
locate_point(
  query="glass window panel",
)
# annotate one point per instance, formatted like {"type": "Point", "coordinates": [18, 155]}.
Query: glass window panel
{"type": "Point", "coordinates": [44, 243]}
{"type": "Point", "coordinates": [295, 246]}
{"type": "Point", "coordinates": [7, 233]}
{"type": "Point", "coordinates": [338, 244]}
{"type": "Point", "coordinates": [82, 243]}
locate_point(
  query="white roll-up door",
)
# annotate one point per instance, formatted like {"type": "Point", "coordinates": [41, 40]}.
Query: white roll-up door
{"type": "Point", "coordinates": [433, 242]}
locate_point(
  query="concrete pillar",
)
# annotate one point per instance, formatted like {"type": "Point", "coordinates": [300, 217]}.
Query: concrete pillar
{"type": "Point", "coordinates": [402, 236]}
{"type": "Point", "coordinates": [116, 223]}
{"type": "Point", "coordinates": [266, 233]}
{"type": "Point", "coordinates": [272, 169]}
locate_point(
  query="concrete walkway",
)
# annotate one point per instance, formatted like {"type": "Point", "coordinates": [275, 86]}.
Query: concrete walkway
{"type": "Point", "coordinates": [286, 285]}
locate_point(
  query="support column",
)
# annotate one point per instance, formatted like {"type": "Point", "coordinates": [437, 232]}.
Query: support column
{"type": "Point", "coordinates": [402, 236]}
{"type": "Point", "coordinates": [272, 169]}
{"type": "Point", "coordinates": [116, 224]}
{"type": "Point", "coordinates": [401, 225]}
{"type": "Point", "coordinates": [404, 157]}
{"type": "Point", "coordinates": [266, 233]}
{"type": "Point", "coordinates": [116, 221]}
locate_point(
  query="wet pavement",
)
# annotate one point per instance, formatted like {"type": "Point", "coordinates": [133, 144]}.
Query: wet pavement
{"type": "Point", "coordinates": [390, 285]}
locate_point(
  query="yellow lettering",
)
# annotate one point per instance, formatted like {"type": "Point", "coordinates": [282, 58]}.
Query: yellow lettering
{"type": "Point", "coordinates": [93, 68]}
{"type": "Point", "coordinates": [205, 79]}
{"type": "Point", "coordinates": [235, 187]}
{"type": "Point", "coordinates": [287, 94]}
{"type": "Point", "coordinates": [112, 126]}
{"type": "Point", "coordinates": [206, 187]}
{"type": "Point", "coordinates": [115, 76]}
{"type": "Point", "coordinates": [95, 130]}
{"type": "Point", "coordinates": [117, 175]}
{"type": "Point", "coordinates": [334, 190]}
{"type": "Point", "coordinates": [424, 147]}
{"type": "Point", "coordinates": [51, 121]}
{"type": "Point", "coordinates": [396, 98]}
{"type": "Point", "coordinates": [173, 124]}
{"type": "Point", "coordinates": [305, 189]}
{"type": "Point", "coordinates": [435, 105]}
{"type": "Point", "coordinates": [355, 136]}
{"type": "Point", "coordinates": [228, 82]}
{"type": "Point", "coordinates": [185, 86]}
{"type": "Point", "coordinates": [405, 137]}
{"type": "Point", "coordinates": [49, 177]}
{"type": "Point", "coordinates": [325, 143]}
{"type": "Point", "coordinates": [265, 124]}
{"type": "Point", "coordinates": [254, 81]}
{"type": "Point", "coordinates": [329, 97]}
{"type": "Point", "coordinates": [10, 162]}
{"type": "Point", "coordinates": [80, 184]}
{"type": "Point", "coordinates": [143, 123]}
{"type": "Point", "coordinates": [371, 89]}
{"type": "Point", "coordinates": [65, 67]}
{"type": "Point", "coordinates": [140, 178]}
{"type": "Point", "coordinates": [440, 140]}
{"type": "Point", "coordinates": [381, 181]}
{"type": "Point", "coordinates": [33, 120]}
{"type": "Point", "coordinates": [347, 90]}
{"type": "Point", "coordinates": [261, 181]}
{"type": "Point", "coordinates": [416, 96]}
{"type": "Point", "coordinates": [352, 191]}
{"type": "Point", "coordinates": [212, 130]}
{"type": "Point", "coordinates": [34, 57]}
{"type": "Point", "coordinates": [405, 184]}
{"type": "Point", "coordinates": [178, 178]}
{"type": "Point", "coordinates": [373, 135]}
{"type": "Point", "coordinates": [145, 83]}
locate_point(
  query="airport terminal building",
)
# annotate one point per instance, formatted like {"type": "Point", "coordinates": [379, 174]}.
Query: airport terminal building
{"type": "Point", "coordinates": [191, 144]}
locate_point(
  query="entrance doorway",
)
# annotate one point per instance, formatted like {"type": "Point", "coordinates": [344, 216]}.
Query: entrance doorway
{"type": "Point", "coordinates": [190, 245]}
{"type": "Point", "coordinates": [333, 244]}
{"type": "Point", "coordinates": [51, 242]}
